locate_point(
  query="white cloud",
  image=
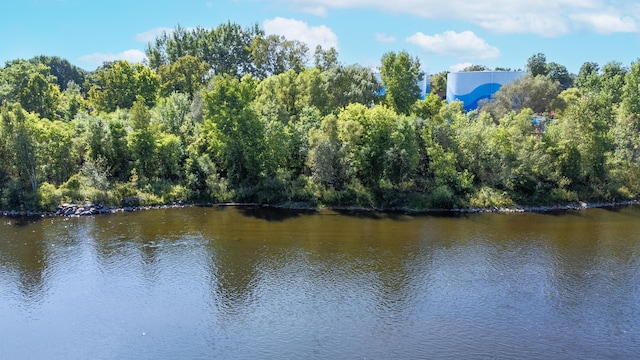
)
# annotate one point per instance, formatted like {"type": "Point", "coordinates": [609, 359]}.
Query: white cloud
{"type": "Point", "coordinates": [605, 23]}
{"type": "Point", "coordinates": [294, 29]}
{"type": "Point", "coordinates": [542, 17]}
{"type": "Point", "coordinates": [384, 38]}
{"type": "Point", "coordinates": [152, 34]}
{"type": "Point", "coordinates": [549, 26]}
{"type": "Point", "coordinates": [314, 10]}
{"type": "Point", "coordinates": [463, 45]}
{"type": "Point", "coordinates": [459, 67]}
{"type": "Point", "coordinates": [97, 59]}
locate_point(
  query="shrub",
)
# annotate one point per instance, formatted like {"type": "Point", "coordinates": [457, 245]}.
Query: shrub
{"type": "Point", "coordinates": [49, 197]}
{"type": "Point", "coordinates": [442, 197]}
{"type": "Point", "coordinates": [487, 197]}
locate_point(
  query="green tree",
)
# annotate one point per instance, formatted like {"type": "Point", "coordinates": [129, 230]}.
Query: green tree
{"type": "Point", "coordinates": [62, 69]}
{"type": "Point", "coordinates": [313, 85]}
{"type": "Point", "coordinates": [325, 155]}
{"type": "Point", "coordinates": [142, 140]}
{"type": "Point", "coordinates": [560, 74]}
{"type": "Point", "coordinates": [117, 85]}
{"type": "Point", "coordinates": [15, 76]}
{"type": "Point", "coordinates": [325, 59]}
{"type": "Point", "coordinates": [400, 75]}
{"type": "Point", "coordinates": [58, 160]}
{"type": "Point", "coordinates": [623, 164]}
{"type": "Point", "coordinates": [439, 82]}
{"type": "Point", "coordinates": [174, 116]}
{"type": "Point", "coordinates": [429, 107]}
{"type": "Point", "coordinates": [612, 80]}
{"type": "Point", "coordinates": [365, 134]}
{"type": "Point", "coordinates": [71, 102]}
{"type": "Point", "coordinates": [448, 180]}
{"type": "Point", "coordinates": [631, 90]}
{"type": "Point", "coordinates": [21, 136]}
{"type": "Point", "coordinates": [273, 55]}
{"type": "Point", "coordinates": [113, 86]}
{"type": "Point", "coordinates": [537, 65]}
{"type": "Point", "coordinates": [478, 150]}
{"type": "Point", "coordinates": [118, 162]}
{"type": "Point", "coordinates": [233, 130]}
{"type": "Point", "coordinates": [402, 156]}
{"type": "Point", "coordinates": [587, 77]}
{"type": "Point", "coordinates": [186, 75]}
{"type": "Point", "coordinates": [280, 97]}
{"type": "Point", "coordinates": [94, 136]}
{"type": "Point", "coordinates": [169, 155]}
{"type": "Point", "coordinates": [537, 93]}
{"type": "Point", "coordinates": [585, 126]}
{"type": "Point", "coordinates": [349, 85]}
{"type": "Point", "coordinates": [40, 96]}
{"type": "Point", "coordinates": [476, 68]}
{"type": "Point", "coordinates": [227, 49]}
{"type": "Point", "coordinates": [182, 42]}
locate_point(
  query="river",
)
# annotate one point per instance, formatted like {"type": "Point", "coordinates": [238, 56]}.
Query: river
{"type": "Point", "coordinates": [247, 283]}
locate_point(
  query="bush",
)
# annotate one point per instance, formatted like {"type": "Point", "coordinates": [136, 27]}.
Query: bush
{"type": "Point", "coordinates": [557, 195]}
{"type": "Point", "coordinates": [419, 202]}
{"type": "Point", "coordinates": [487, 197]}
{"type": "Point", "coordinates": [442, 197]}
{"type": "Point", "coordinates": [14, 196]}
{"type": "Point", "coordinates": [49, 197]}
{"type": "Point", "coordinates": [218, 189]}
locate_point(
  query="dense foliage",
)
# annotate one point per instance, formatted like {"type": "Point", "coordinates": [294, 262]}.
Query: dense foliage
{"type": "Point", "coordinates": [232, 115]}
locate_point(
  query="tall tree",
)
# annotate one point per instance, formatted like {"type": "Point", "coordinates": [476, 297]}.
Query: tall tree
{"type": "Point", "coordinates": [400, 75]}
{"type": "Point", "coordinates": [142, 140]}
{"type": "Point", "coordinates": [439, 82]}
{"type": "Point", "coordinates": [534, 92]}
{"type": "Point", "coordinates": [186, 75]}
{"type": "Point", "coordinates": [71, 102]}
{"type": "Point", "coordinates": [40, 96]}
{"type": "Point", "coordinates": [325, 59]}
{"type": "Point", "coordinates": [356, 84]}
{"type": "Point", "coordinates": [273, 55]}
{"type": "Point", "coordinates": [279, 97]}
{"type": "Point", "coordinates": [325, 157]}
{"type": "Point", "coordinates": [560, 74]}
{"type": "Point", "coordinates": [588, 76]}
{"type": "Point", "coordinates": [476, 67]}
{"type": "Point", "coordinates": [631, 92]}
{"type": "Point", "coordinates": [228, 49]}
{"type": "Point", "coordinates": [15, 76]}
{"type": "Point", "coordinates": [118, 84]}
{"type": "Point", "coordinates": [429, 107]}
{"type": "Point", "coordinates": [62, 69]}
{"type": "Point", "coordinates": [19, 129]}
{"type": "Point", "coordinates": [57, 158]}
{"type": "Point", "coordinates": [233, 130]}
{"type": "Point", "coordinates": [537, 64]}
{"type": "Point", "coordinates": [612, 80]}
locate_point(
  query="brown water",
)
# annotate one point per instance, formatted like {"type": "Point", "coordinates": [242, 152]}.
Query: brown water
{"type": "Point", "coordinates": [229, 283]}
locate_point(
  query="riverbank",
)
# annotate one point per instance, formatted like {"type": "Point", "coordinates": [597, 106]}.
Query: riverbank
{"type": "Point", "coordinates": [89, 209]}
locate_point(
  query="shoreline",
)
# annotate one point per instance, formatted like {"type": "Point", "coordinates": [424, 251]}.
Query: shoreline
{"type": "Point", "coordinates": [81, 210]}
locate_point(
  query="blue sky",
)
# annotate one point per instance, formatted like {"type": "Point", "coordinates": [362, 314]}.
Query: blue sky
{"type": "Point", "coordinates": [444, 35]}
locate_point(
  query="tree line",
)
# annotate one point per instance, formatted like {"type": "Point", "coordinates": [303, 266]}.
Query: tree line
{"type": "Point", "coordinates": [231, 115]}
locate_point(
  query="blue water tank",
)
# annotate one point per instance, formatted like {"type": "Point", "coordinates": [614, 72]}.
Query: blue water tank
{"type": "Point", "coordinates": [470, 87]}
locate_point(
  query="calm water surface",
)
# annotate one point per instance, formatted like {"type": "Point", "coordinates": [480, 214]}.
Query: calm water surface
{"type": "Point", "coordinates": [235, 283]}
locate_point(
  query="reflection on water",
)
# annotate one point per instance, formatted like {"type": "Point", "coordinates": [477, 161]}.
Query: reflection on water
{"type": "Point", "coordinates": [256, 283]}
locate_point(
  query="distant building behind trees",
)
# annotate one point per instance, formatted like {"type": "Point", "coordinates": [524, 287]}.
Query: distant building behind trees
{"type": "Point", "coordinates": [471, 87]}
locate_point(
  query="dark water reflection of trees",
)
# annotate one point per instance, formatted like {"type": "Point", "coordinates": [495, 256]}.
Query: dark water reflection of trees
{"type": "Point", "coordinates": [393, 273]}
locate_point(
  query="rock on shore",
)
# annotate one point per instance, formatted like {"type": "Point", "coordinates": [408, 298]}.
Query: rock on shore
{"type": "Point", "coordinates": [89, 209]}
